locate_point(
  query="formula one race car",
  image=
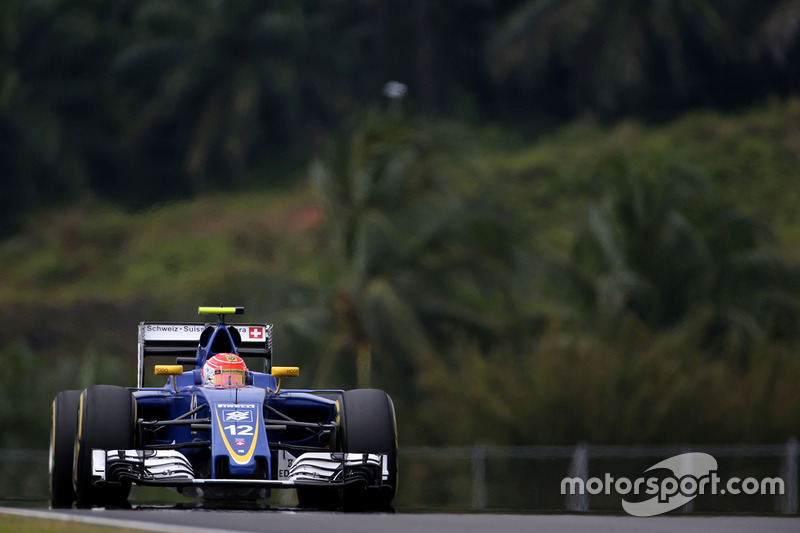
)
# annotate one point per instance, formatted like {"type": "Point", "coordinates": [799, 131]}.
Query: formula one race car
{"type": "Point", "coordinates": [218, 430]}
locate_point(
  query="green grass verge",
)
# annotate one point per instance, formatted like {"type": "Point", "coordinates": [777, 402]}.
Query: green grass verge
{"type": "Point", "coordinates": [19, 524]}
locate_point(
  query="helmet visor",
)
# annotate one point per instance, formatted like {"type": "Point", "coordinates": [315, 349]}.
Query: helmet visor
{"type": "Point", "coordinates": [229, 377]}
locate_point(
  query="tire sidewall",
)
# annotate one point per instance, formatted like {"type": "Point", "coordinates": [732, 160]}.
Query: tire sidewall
{"type": "Point", "coordinates": [367, 424]}
{"type": "Point", "coordinates": [106, 420]}
{"type": "Point", "coordinates": [62, 446]}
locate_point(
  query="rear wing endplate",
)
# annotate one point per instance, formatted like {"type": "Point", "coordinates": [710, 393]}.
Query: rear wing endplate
{"type": "Point", "coordinates": [183, 339]}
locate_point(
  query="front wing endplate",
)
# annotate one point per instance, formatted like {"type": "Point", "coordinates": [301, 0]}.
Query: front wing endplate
{"type": "Point", "coordinates": [171, 468]}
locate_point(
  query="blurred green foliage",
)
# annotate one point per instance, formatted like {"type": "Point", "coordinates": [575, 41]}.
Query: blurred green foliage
{"type": "Point", "coordinates": [613, 285]}
{"type": "Point", "coordinates": [146, 101]}
{"type": "Point", "coordinates": [577, 224]}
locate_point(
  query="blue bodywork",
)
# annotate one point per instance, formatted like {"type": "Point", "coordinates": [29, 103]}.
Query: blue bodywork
{"type": "Point", "coordinates": [232, 433]}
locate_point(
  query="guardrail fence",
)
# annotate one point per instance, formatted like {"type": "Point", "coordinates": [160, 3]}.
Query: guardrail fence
{"type": "Point", "coordinates": [522, 478]}
{"type": "Point", "coordinates": [529, 477]}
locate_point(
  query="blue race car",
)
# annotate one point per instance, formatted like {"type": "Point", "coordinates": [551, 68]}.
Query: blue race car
{"type": "Point", "coordinates": [218, 430]}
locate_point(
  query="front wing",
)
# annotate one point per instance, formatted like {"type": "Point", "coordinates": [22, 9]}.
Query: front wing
{"type": "Point", "coordinates": [170, 468]}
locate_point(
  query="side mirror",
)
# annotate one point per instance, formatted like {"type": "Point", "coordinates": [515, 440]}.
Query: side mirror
{"type": "Point", "coordinates": [169, 370]}
{"type": "Point", "coordinates": [285, 371]}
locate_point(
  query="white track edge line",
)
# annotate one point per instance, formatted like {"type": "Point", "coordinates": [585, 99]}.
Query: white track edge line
{"type": "Point", "coordinates": [109, 522]}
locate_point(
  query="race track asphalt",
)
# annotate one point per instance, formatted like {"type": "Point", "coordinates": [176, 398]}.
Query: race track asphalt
{"type": "Point", "coordinates": [286, 521]}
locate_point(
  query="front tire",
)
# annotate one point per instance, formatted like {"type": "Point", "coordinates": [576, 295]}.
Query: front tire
{"type": "Point", "coordinates": [62, 448]}
{"type": "Point", "coordinates": [107, 421]}
{"type": "Point", "coordinates": [367, 424]}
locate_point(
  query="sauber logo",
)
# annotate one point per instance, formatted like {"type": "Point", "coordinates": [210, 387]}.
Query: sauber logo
{"type": "Point", "coordinates": [255, 333]}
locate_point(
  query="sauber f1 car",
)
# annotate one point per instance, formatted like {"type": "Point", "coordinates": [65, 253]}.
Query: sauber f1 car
{"type": "Point", "coordinates": [215, 431]}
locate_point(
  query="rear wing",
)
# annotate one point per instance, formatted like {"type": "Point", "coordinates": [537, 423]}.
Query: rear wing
{"type": "Point", "coordinates": [182, 341]}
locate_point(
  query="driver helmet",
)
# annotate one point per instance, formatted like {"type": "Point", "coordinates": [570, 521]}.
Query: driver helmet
{"type": "Point", "coordinates": [224, 370]}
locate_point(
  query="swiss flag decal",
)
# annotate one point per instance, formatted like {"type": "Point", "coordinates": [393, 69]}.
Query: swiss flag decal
{"type": "Point", "coordinates": [255, 333]}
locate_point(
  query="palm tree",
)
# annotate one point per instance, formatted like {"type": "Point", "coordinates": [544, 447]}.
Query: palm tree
{"type": "Point", "coordinates": [57, 111]}
{"type": "Point", "coordinates": [779, 29]}
{"type": "Point", "coordinates": [662, 249]}
{"type": "Point", "coordinates": [410, 264]}
{"type": "Point", "coordinates": [638, 252]}
{"type": "Point", "coordinates": [223, 84]}
{"type": "Point", "coordinates": [609, 51]}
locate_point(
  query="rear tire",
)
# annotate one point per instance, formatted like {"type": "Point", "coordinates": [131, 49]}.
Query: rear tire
{"type": "Point", "coordinates": [62, 448]}
{"type": "Point", "coordinates": [367, 424]}
{"type": "Point", "coordinates": [107, 420]}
